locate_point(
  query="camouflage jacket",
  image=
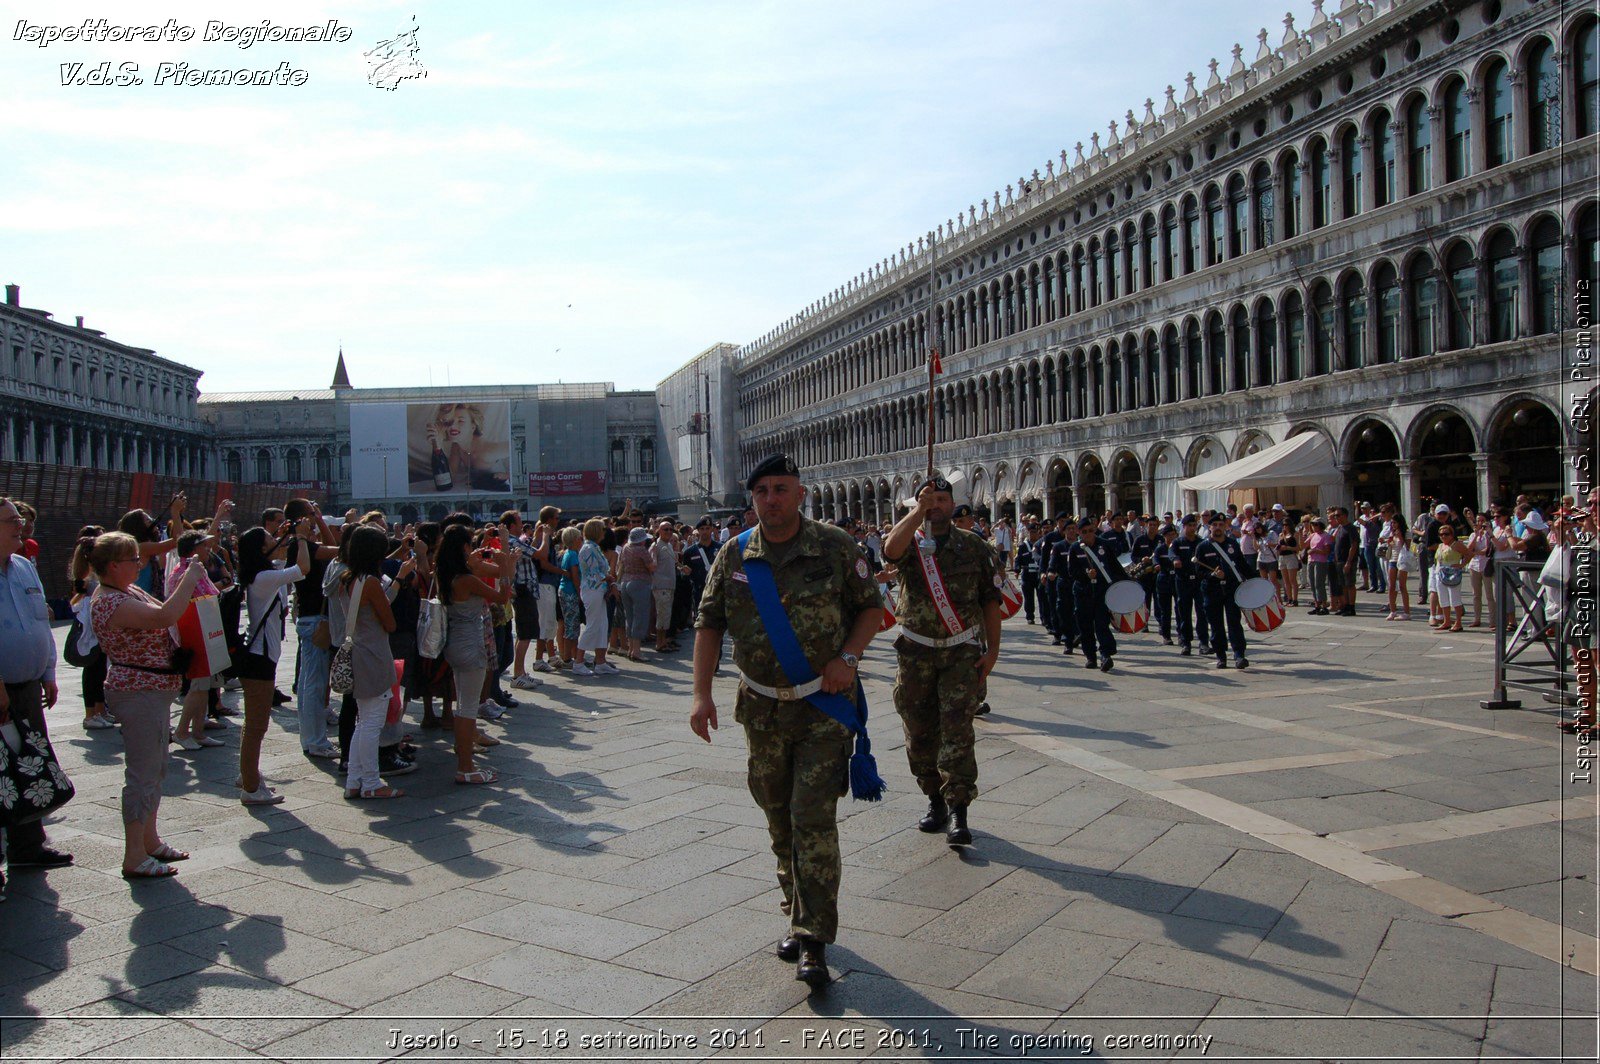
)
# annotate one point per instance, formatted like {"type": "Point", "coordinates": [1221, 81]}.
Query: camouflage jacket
{"type": "Point", "coordinates": [824, 585]}
{"type": "Point", "coordinates": [971, 576]}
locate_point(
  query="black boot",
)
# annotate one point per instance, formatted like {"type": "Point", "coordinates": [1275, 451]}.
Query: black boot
{"type": "Point", "coordinates": [936, 817]}
{"type": "Point", "coordinates": [789, 949]}
{"type": "Point", "coordinates": [813, 968]}
{"type": "Point", "coordinates": [958, 835]}
{"type": "Point", "coordinates": [982, 710]}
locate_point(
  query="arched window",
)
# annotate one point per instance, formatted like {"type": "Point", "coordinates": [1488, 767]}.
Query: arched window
{"type": "Point", "coordinates": [1194, 357]}
{"type": "Point", "coordinates": [1547, 284]}
{"type": "Point", "coordinates": [235, 467]}
{"type": "Point", "coordinates": [1131, 256]}
{"type": "Point", "coordinates": [1386, 298]}
{"type": "Point", "coordinates": [1289, 182]}
{"type": "Point", "coordinates": [1419, 147]}
{"type": "Point", "coordinates": [1544, 98]}
{"type": "Point", "coordinates": [1504, 288]}
{"type": "Point", "coordinates": [1080, 279]}
{"type": "Point", "coordinates": [1294, 331]}
{"type": "Point", "coordinates": [291, 465]}
{"type": "Point", "coordinates": [1265, 218]}
{"type": "Point", "coordinates": [1238, 217]}
{"type": "Point", "coordinates": [1217, 226]}
{"type": "Point", "coordinates": [1462, 269]}
{"type": "Point", "coordinates": [1350, 171]}
{"type": "Point", "coordinates": [1171, 362]}
{"type": "Point", "coordinates": [1457, 133]}
{"type": "Point", "coordinates": [263, 466]}
{"type": "Point", "coordinates": [1241, 349]}
{"type": "Point", "coordinates": [1217, 352]}
{"type": "Point", "coordinates": [1321, 186]}
{"type": "Point", "coordinates": [1266, 344]}
{"type": "Point", "coordinates": [1588, 249]}
{"type": "Point", "coordinates": [1586, 66]}
{"type": "Point", "coordinates": [1113, 379]}
{"type": "Point", "coordinates": [1151, 360]}
{"type": "Point", "coordinates": [1191, 236]}
{"type": "Point", "coordinates": [1321, 329]}
{"type": "Point", "coordinates": [619, 458]}
{"type": "Point", "coordinates": [1424, 308]}
{"type": "Point", "coordinates": [1382, 159]}
{"type": "Point", "coordinates": [1151, 253]}
{"type": "Point", "coordinates": [1169, 242]}
{"type": "Point", "coordinates": [1353, 301]}
{"type": "Point", "coordinates": [1498, 148]}
{"type": "Point", "coordinates": [324, 460]}
{"type": "Point", "coordinates": [647, 457]}
{"type": "Point", "coordinates": [1094, 273]}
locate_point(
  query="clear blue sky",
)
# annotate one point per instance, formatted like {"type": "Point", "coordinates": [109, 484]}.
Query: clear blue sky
{"type": "Point", "coordinates": [576, 191]}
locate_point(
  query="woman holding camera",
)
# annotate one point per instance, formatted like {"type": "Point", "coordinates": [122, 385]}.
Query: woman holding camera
{"type": "Point", "coordinates": [465, 589]}
{"type": "Point", "coordinates": [265, 583]}
{"type": "Point", "coordinates": [142, 677]}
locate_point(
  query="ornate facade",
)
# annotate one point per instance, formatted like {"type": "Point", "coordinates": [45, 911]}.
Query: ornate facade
{"type": "Point", "coordinates": [69, 396]}
{"type": "Point", "coordinates": [1382, 230]}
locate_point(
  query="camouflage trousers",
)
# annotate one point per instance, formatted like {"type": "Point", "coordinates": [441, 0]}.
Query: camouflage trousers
{"type": "Point", "coordinates": [936, 693]}
{"type": "Point", "coordinates": [799, 769]}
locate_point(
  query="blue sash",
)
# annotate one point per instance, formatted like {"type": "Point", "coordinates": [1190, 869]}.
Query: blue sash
{"type": "Point", "coordinates": [865, 783]}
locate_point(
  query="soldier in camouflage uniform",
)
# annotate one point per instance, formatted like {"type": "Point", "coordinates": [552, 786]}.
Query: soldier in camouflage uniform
{"type": "Point", "coordinates": [943, 677]}
{"type": "Point", "coordinates": [799, 756]}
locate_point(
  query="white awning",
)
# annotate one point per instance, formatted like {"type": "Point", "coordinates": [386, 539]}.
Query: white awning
{"type": "Point", "coordinates": [1305, 459]}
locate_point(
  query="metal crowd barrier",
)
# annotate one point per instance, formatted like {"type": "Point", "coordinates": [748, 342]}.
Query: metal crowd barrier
{"type": "Point", "coordinates": [1530, 656]}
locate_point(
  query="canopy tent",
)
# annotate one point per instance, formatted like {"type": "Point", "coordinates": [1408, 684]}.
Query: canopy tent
{"type": "Point", "coordinates": [1300, 460]}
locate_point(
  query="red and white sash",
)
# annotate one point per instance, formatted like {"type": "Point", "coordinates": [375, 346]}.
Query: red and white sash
{"type": "Point", "coordinates": [936, 588]}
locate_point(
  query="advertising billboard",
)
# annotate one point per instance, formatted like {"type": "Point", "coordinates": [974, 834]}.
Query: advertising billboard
{"type": "Point", "coordinates": [456, 448]}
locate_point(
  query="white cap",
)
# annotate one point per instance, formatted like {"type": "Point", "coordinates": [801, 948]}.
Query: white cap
{"type": "Point", "coordinates": [1277, 506]}
{"type": "Point", "coordinates": [1535, 522]}
{"type": "Point", "coordinates": [1441, 509]}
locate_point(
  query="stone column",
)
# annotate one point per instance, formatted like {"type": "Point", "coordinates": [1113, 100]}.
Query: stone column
{"type": "Point", "coordinates": [1484, 470]}
{"type": "Point", "coordinates": [1410, 500]}
{"type": "Point", "coordinates": [1527, 295]}
{"type": "Point", "coordinates": [1480, 130]}
{"type": "Point", "coordinates": [1439, 149]}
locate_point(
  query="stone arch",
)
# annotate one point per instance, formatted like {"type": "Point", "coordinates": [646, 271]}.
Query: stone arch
{"type": "Point", "coordinates": [1440, 442]}
{"type": "Point", "coordinates": [1127, 480]}
{"type": "Point", "coordinates": [1091, 480]}
{"type": "Point", "coordinates": [1058, 486]}
{"type": "Point", "coordinates": [1524, 444]}
{"type": "Point", "coordinates": [1205, 454]}
{"type": "Point", "coordinates": [1166, 469]}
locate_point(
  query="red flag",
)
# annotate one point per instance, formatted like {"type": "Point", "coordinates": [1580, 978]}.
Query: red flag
{"type": "Point", "coordinates": [938, 367]}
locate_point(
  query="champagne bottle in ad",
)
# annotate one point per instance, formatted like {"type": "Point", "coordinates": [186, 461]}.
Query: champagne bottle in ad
{"type": "Point", "coordinates": [442, 480]}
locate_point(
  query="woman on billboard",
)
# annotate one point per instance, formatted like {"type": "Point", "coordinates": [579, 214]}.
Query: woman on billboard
{"type": "Point", "coordinates": [461, 453]}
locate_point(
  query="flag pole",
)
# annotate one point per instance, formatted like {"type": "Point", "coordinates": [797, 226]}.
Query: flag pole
{"type": "Point", "coordinates": [933, 344]}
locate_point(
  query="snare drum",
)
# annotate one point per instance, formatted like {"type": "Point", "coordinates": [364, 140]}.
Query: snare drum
{"type": "Point", "coordinates": [1126, 604]}
{"type": "Point", "coordinates": [1258, 602]}
{"type": "Point", "coordinates": [1010, 596]}
{"type": "Point", "coordinates": [889, 620]}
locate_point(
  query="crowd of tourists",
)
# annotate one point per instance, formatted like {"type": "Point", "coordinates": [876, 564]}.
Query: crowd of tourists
{"type": "Point", "coordinates": [173, 610]}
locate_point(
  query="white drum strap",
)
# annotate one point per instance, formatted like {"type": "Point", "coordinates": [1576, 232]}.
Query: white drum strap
{"type": "Point", "coordinates": [1094, 558]}
{"type": "Point", "coordinates": [1225, 561]}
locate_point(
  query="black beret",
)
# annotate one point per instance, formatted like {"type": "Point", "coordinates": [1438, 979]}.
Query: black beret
{"type": "Point", "coordinates": [777, 465]}
{"type": "Point", "coordinates": [962, 511]}
{"type": "Point", "coordinates": [938, 483]}
{"type": "Point", "coordinates": [705, 522]}
{"type": "Point", "coordinates": [1089, 523]}
{"type": "Point", "coordinates": [1218, 517]}
{"type": "Point", "coordinates": [1190, 519]}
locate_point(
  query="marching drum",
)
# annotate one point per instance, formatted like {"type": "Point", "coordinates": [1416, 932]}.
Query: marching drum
{"type": "Point", "coordinates": [889, 620]}
{"type": "Point", "coordinates": [1125, 602]}
{"type": "Point", "coordinates": [1258, 601]}
{"type": "Point", "coordinates": [1010, 597]}
{"type": "Point", "coordinates": [1125, 560]}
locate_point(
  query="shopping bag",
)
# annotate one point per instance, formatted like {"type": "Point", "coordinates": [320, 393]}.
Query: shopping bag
{"type": "Point", "coordinates": [430, 627]}
{"type": "Point", "coordinates": [201, 632]}
{"type": "Point", "coordinates": [32, 784]}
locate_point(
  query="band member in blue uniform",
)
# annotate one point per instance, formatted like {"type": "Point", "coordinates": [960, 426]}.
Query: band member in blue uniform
{"type": "Point", "coordinates": [1027, 566]}
{"type": "Point", "coordinates": [1059, 573]}
{"type": "Point", "coordinates": [1166, 581]}
{"type": "Point", "coordinates": [1191, 610]}
{"type": "Point", "coordinates": [1225, 568]}
{"type": "Point", "coordinates": [1118, 541]}
{"type": "Point", "coordinates": [1145, 541]}
{"type": "Point", "coordinates": [1093, 567]}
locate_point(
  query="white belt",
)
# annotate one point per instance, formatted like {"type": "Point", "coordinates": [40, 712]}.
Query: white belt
{"type": "Point", "coordinates": [784, 694]}
{"type": "Point", "coordinates": [939, 644]}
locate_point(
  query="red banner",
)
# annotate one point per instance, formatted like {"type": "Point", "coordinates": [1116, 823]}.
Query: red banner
{"type": "Point", "coordinates": [578, 482]}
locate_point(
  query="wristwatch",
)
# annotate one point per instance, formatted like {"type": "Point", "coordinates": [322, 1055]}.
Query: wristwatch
{"type": "Point", "coordinates": [850, 659]}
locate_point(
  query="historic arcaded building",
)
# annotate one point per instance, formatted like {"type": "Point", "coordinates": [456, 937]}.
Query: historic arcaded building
{"type": "Point", "coordinates": [1381, 229]}
{"type": "Point", "coordinates": [70, 396]}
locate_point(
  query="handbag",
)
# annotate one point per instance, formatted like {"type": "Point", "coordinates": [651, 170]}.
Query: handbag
{"type": "Point", "coordinates": [1406, 560]}
{"type": "Point", "coordinates": [1450, 575]}
{"type": "Point", "coordinates": [73, 652]}
{"type": "Point", "coordinates": [342, 674]}
{"type": "Point", "coordinates": [32, 783]}
{"type": "Point", "coordinates": [431, 622]}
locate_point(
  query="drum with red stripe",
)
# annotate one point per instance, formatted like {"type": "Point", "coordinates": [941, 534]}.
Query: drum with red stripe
{"type": "Point", "coordinates": [1010, 597]}
{"type": "Point", "coordinates": [1259, 604]}
{"type": "Point", "coordinates": [889, 620]}
{"type": "Point", "coordinates": [1125, 602]}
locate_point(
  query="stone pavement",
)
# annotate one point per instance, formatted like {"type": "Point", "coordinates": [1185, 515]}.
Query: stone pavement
{"type": "Point", "coordinates": [1333, 856]}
